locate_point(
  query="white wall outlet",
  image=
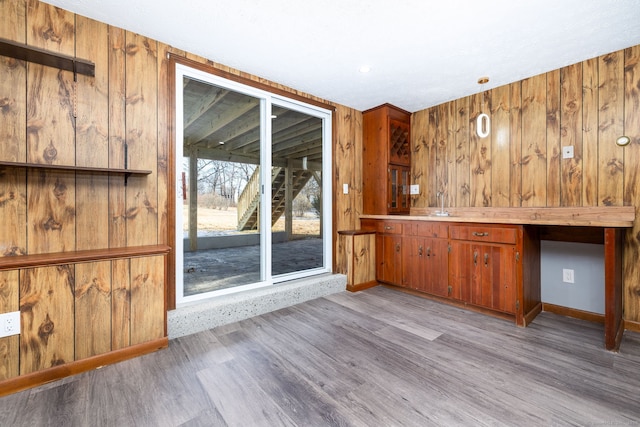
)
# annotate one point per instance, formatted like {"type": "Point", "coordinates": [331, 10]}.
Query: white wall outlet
{"type": "Point", "coordinates": [345, 188]}
{"type": "Point", "coordinates": [567, 275]}
{"type": "Point", "coordinates": [567, 152]}
{"type": "Point", "coordinates": [414, 189]}
{"type": "Point", "coordinates": [9, 324]}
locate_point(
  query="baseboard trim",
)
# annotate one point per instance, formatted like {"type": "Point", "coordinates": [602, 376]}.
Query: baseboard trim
{"type": "Point", "coordinates": [573, 312]}
{"type": "Point", "coordinates": [34, 379]}
{"type": "Point", "coordinates": [362, 286]}
{"type": "Point", "coordinates": [632, 326]}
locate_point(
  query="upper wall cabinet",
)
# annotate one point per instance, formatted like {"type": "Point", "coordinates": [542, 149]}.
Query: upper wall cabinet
{"type": "Point", "coordinates": [386, 160]}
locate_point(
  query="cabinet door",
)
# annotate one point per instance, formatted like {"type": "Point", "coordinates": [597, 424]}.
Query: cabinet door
{"type": "Point", "coordinates": [460, 270]}
{"type": "Point", "coordinates": [493, 277]}
{"type": "Point", "coordinates": [391, 265]}
{"type": "Point", "coordinates": [398, 200]}
{"type": "Point", "coordinates": [437, 267]}
{"type": "Point", "coordinates": [399, 142]}
{"type": "Point", "coordinates": [413, 262]}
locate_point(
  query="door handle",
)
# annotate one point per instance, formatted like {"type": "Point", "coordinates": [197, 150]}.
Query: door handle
{"type": "Point", "coordinates": [480, 234]}
{"type": "Point", "coordinates": [486, 259]}
{"type": "Point", "coordinates": [475, 258]}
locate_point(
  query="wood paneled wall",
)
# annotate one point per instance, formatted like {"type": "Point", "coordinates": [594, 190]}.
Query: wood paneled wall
{"type": "Point", "coordinates": [74, 311]}
{"type": "Point", "coordinates": [585, 105]}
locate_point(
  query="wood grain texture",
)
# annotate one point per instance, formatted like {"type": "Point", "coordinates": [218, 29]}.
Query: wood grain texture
{"type": "Point", "coordinates": [443, 134]}
{"type": "Point", "coordinates": [141, 138]}
{"type": "Point", "coordinates": [148, 313]}
{"type": "Point", "coordinates": [571, 134]}
{"type": "Point", "coordinates": [515, 145]}
{"type": "Point", "coordinates": [419, 156]}
{"type": "Point", "coordinates": [610, 126]}
{"type": "Point", "coordinates": [430, 157]}
{"type": "Point", "coordinates": [480, 153]}
{"type": "Point", "coordinates": [92, 296]}
{"type": "Point", "coordinates": [47, 330]}
{"type": "Point", "coordinates": [166, 117]}
{"type": "Point", "coordinates": [553, 139]}
{"type": "Point", "coordinates": [534, 141]}
{"type": "Point", "coordinates": [117, 136]}
{"type": "Point", "coordinates": [462, 184]}
{"type": "Point", "coordinates": [631, 295]}
{"type": "Point", "coordinates": [590, 132]}
{"type": "Point", "coordinates": [9, 346]}
{"type": "Point", "coordinates": [500, 143]}
{"type": "Point", "coordinates": [120, 304]}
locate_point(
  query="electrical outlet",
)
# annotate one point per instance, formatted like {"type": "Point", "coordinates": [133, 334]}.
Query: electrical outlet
{"type": "Point", "coordinates": [414, 189]}
{"type": "Point", "coordinates": [9, 324]}
{"type": "Point", "coordinates": [567, 152]}
{"type": "Point", "coordinates": [567, 275]}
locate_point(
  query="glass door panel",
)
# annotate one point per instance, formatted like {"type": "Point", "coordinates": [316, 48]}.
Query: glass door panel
{"type": "Point", "coordinates": [296, 191]}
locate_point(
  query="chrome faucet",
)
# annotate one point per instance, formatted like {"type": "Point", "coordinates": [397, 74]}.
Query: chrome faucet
{"type": "Point", "coordinates": [442, 212]}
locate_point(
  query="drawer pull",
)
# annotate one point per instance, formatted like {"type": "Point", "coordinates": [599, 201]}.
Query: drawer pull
{"type": "Point", "coordinates": [479, 234]}
{"type": "Point", "coordinates": [388, 227]}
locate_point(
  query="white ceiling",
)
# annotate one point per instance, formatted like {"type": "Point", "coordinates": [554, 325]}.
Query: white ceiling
{"type": "Point", "coordinates": [421, 53]}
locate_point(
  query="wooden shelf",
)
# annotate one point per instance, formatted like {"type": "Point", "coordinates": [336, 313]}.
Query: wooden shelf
{"type": "Point", "coordinates": [126, 172]}
{"type": "Point", "coordinates": [46, 260]}
{"type": "Point", "coordinates": [43, 57]}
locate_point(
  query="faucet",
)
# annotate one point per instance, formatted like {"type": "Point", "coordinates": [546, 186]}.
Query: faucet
{"type": "Point", "coordinates": [442, 212]}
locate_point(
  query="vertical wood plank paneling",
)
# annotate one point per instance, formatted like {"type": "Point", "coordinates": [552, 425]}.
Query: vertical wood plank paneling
{"type": "Point", "coordinates": [450, 153]}
{"type": "Point", "coordinates": [13, 130]}
{"type": "Point", "coordinates": [553, 138]}
{"type": "Point", "coordinates": [571, 134]}
{"type": "Point", "coordinates": [92, 137]}
{"type": "Point", "coordinates": [610, 126]}
{"type": "Point", "coordinates": [47, 329]}
{"type": "Point", "coordinates": [92, 295]}
{"type": "Point", "coordinates": [142, 134]}
{"type": "Point", "coordinates": [500, 152]}
{"type": "Point", "coordinates": [631, 268]}
{"type": "Point", "coordinates": [515, 146]}
{"type": "Point", "coordinates": [442, 136]}
{"type": "Point", "coordinates": [419, 156]}
{"type": "Point", "coordinates": [9, 346]}
{"type": "Point", "coordinates": [343, 174]}
{"type": "Point", "coordinates": [462, 188]}
{"type": "Point", "coordinates": [50, 133]}
{"type": "Point", "coordinates": [117, 132]}
{"type": "Point", "coordinates": [431, 158]}
{"type": "Point", "coordinates": [590, 132]}
{"type": "Point", "coordinates": [147, 299]}
{"type": "Point", "coordinates": [120, 304]}
{"type": "Point", "coordinates": [165, 124]}
{"type": "Point", "coordinates": [479, 153]}
{"type": "Point", "coordinates": [534, 144]}
{"type": "Point", "coordinates": [356, 199]}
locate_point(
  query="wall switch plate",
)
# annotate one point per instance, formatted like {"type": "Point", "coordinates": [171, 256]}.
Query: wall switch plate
{"type": "Point", "coordinates": [9, 324]}
{"type": "Point", "coordinates": [567, 275]}
{"type": "Point", "coordinates": [345, 188]}
{"type": "Point", "coordinates": [414, 189]}
{"type": "Point", "coordinates": [567, 152]}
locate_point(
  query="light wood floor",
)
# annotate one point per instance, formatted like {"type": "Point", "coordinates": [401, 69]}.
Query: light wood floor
{"type": "Point", "coordinates": [374, 358]}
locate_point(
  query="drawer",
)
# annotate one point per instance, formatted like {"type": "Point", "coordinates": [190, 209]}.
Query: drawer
{"type": "Point", "coordinates": [430, 229]}
{"type": "Point", "coordinates": [483, 233]}
{"type": "Point", "coordinates": [389, 227]}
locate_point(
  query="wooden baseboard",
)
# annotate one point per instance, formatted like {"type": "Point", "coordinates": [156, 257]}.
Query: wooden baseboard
{"type": "Point", "coordinates": [528, 317]}
{"type": "Point", "coordinates": [573, 312]}
{"type": "Point", "coordinates": [632, 326]}
{"type": "Point", "coordinates": [362, 286]}
{"type": "Point", "coordinates": [23, 382]}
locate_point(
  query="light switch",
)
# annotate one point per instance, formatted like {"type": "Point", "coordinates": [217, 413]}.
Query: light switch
{"type": "Point", "coordinates": [345, 188]}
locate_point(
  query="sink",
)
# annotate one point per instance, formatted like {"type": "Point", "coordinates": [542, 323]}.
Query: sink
{"type": "Point", "coordinates": [440, 213]}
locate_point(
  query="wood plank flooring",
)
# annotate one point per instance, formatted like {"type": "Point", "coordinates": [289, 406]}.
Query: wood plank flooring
{"type": "Point", "coordinates": [373, 358]}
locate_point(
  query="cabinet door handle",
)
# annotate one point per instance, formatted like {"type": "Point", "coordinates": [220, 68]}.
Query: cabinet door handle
{"type": "Point", "coordinates": [388, 227]}
{"type": "Point", "coordinates": [429, 251]}
{"type": "Point", "coordinates": [475, 258]}
{"type": "Point", "coordinates": [486, 259]}
{"type": "Point", "coordinates": [420, 251]}
{"type": "Point", "coordinates": [480, 234]}
{"type": "Point", "coordinates": [398, 247]}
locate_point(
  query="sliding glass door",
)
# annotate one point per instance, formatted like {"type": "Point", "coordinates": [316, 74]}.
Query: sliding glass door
{"type": "Point", "coordinates": [251, 204]}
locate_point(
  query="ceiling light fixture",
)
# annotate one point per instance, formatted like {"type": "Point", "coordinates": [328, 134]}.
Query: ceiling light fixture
{"type": "Point", "coordinates": [483, 122]}
{"type": "Point", "coordinates": [623, 140]}
{"type": "Point", "coordinates": [221, 142]}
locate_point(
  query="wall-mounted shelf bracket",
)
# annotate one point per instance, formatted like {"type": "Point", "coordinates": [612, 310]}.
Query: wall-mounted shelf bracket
{"type": "Point", "coordinates": [43, 57]}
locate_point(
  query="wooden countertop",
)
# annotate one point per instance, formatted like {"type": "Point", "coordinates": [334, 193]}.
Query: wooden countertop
{"type": "Point", "coordinates": [596, 216]}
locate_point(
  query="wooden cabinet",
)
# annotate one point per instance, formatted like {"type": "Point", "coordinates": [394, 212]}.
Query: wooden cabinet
{"type": "Point", "coordinates": [386, 160]}
{"type": "Point", "coordinates": [425, 263]}
{"type": "Point", "coordinates": [483, 262]}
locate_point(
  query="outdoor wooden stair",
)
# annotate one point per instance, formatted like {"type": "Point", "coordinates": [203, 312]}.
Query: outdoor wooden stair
{"type": "Point", "coordinates": [249, 200]}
